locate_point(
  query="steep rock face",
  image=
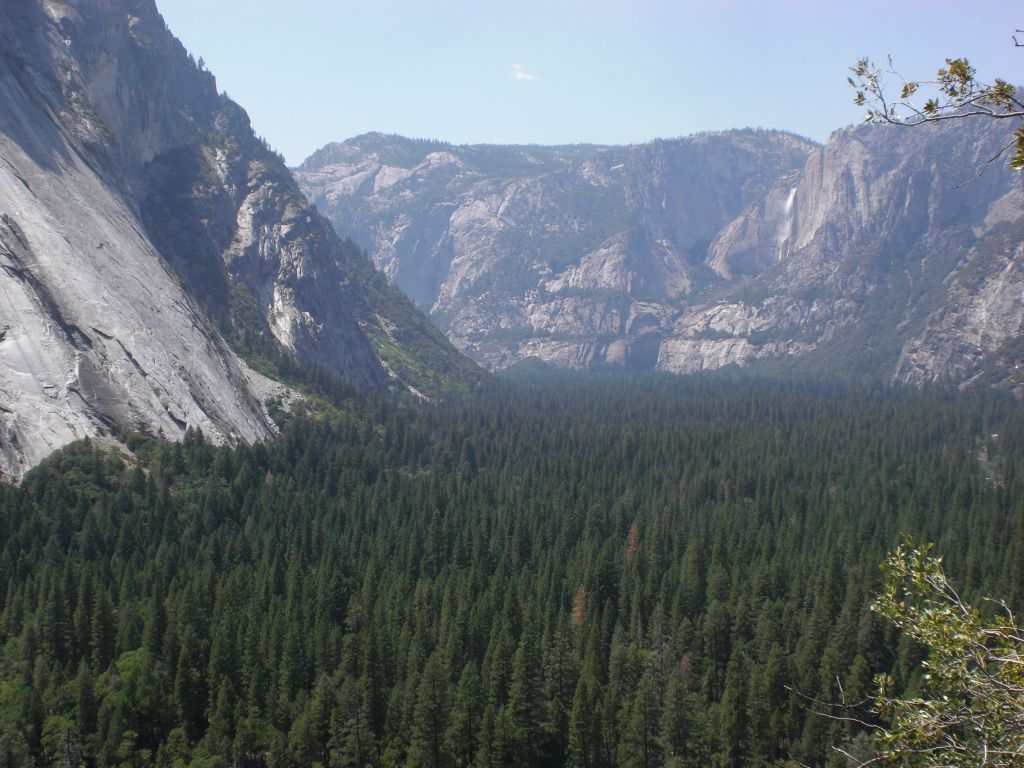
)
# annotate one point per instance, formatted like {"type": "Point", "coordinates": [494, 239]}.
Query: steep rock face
{"type": "Point", "coordinates": [96, 329]}
{"type": "Point", "coordinates": [573, 254]}
{"type": "Point", "coordinates": [883, 255]}
{"type": "Point", "coordinates": [977, 330]}
{"type": "Point", "coordinates": [217, 203]}
{"type": "Point", "coordinates": [869, 255]}
{"type": "Point", "coordinates": [139, 216]}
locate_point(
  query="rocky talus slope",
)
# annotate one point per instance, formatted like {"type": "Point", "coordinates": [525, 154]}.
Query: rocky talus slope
{"type": "Point", "coordinates": [140, 221]}
{"type": "Point", "coordinates": [868, 255]}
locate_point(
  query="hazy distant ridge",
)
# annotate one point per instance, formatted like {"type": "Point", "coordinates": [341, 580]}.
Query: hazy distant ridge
{"type": "Point", "coordinates": [862, 255]}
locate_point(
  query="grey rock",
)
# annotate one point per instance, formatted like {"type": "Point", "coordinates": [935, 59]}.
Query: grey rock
{"type": "Point", "coordinates": [976, 331]}
{"type": "Point", "coordinates": [869, 255]}
{"type": "Point", "coordinates": [97, 330]}
{"type": "Point", "coordinates": [579, 255]}
{"type": "Point", "coordinates": [139, 217]}
{"type": "Point", "coordinates": [886, 255]}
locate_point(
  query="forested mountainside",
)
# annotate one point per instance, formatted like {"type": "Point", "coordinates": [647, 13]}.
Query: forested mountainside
{"type": "Point", "coordinates": [147, 236]}
{"type": "Point", "coordinates": [868, 254]}
{"type": "Point", "coordinates": [584, 572]}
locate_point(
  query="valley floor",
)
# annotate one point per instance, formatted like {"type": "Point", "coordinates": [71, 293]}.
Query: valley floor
{"type": "Point", "coordinates": [604, 571]}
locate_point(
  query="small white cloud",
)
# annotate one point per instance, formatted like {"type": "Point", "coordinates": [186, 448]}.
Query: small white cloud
{"type": "Point", "coordinates": [518, 73]}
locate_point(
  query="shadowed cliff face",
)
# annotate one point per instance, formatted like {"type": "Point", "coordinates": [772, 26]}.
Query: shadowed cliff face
{"type": "Point", "coordinates": [139, 215]}
{"type": "Point", "coordinates": [216, 202]}
{"type": "Point", "coordinates": [699, 253]}
{"type": "Point", "coordinates": [97, 331]}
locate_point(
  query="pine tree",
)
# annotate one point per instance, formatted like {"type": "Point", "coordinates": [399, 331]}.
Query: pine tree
{"type": "Point", "coordinates": [430, 717]}
{"type": "Point", "coordinates": [733, 717]}
{"type": "Point", "coordinates": [101, 631]}
{"type": "Point", "coordinates": [561, 675]}
{"type": "Point", "coordinates": [461, 737]}
{"type": "Point", "coordinates": [351, 743]}
{"type": "Point", "coordinates": [190, 691]}
{"type": "Point", "coordinates": [527, 708]}
{"type": "Point", "coordinates": [85, 705]}
{"type": "Point", "coordinates": [640, 744]}
{"type": "Point", "coordinates": [584, 724]}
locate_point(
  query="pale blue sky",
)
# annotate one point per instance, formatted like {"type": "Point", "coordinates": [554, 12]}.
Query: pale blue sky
{"type": "Point", "coordinates": [546, 72]}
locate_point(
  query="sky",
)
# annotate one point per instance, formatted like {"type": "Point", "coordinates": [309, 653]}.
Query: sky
{"type": "Point", "coordinates": [566, 71]}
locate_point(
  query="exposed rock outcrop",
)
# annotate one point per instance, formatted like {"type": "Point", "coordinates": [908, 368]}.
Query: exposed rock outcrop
{"type": "Point", "coordinates": [574, 254]}
{"type": "Point", "coordinates": [887, 255]}
{"type": "Point", "coordinates": [867, 256]}
{"type": "Point", "coordinates": [140, 216]}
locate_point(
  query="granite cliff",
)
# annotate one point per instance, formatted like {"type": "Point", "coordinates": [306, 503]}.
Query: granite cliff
{"type": "Point", "coordinates": [887, 254]}
{"type": "Point", "coordinates": [142, 224]}
{"type": "Point", "coordinates": [868, 255]}
{"type": "Point", "coordinates": [575, 254]}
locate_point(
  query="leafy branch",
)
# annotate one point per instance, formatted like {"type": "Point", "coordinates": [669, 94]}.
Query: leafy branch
{"type": "Point", "coordinates": [954, 94]}
{"type": "Point", "coordinates": [971, 712]}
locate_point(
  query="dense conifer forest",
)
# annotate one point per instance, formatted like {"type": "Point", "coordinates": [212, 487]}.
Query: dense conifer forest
{"type": "Point", "coordinates": [600, 573]}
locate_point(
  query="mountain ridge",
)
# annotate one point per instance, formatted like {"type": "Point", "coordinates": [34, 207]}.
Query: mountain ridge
{"type": "Point", "coordinates": [145, 227]}
{"type": "Point", "coordinates": [799, 269]}
{"type": "Point", "coordinates": [608, 241]}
